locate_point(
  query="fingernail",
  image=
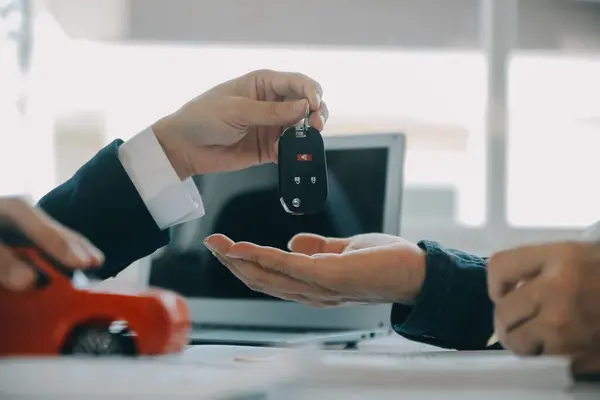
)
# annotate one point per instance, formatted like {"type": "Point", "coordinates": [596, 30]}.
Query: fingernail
{"type": "Point", "coordinates": [99, 256]}
{"type": "Point", "coordinates": [20, 276]}
{"type": "Point", "coordinates": [289, 244]}
{"type": "Point", "coordinates": [318, 99]}
{"type": "Point", "coordinates": [322, 119]}
{"type": "Point", "coordinates": [208, 246]}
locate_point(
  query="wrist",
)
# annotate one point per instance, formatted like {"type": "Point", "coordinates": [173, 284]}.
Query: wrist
{"type": "Point", "coordinates": [405, 276]}
{"type": "Point", "coordinates": [416, 279]}
{"type": "Point", "coordinates": [165, 132]}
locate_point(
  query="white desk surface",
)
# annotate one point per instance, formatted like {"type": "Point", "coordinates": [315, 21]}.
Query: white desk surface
{"type": "Point", "coordinates": [205, 371]}
{"type": "Point", "coordinates": [395, 343]}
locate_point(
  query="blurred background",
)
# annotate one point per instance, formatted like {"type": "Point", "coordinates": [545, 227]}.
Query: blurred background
{"type": "Point", "coordinates": [500, 100]}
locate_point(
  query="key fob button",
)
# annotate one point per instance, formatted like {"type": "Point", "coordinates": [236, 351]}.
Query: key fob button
{"type": "Point", "coordinates": [296, 202]}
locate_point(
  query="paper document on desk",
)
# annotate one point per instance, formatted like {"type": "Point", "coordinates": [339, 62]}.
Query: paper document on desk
{"type": "Point", "coordinates": [475, 369]}
{"type": "Point", "coordinates": [440, 369]}
{"type": "Point", "coordinates": [111, 378]}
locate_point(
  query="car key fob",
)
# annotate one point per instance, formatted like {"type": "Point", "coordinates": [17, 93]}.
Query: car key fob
{"type": "Point", "coordinates": [303, 186]}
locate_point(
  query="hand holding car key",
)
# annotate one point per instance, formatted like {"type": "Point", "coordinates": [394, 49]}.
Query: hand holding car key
{"type": "Point", "coordinates": [303, 186]}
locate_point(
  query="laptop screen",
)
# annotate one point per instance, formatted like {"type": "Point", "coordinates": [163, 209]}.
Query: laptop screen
{"type": "Point", "coordinates": [357, 188]}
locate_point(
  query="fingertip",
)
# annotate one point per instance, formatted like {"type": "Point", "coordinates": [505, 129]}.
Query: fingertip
{"type": "Point", "coordinates": [305, 243]}
{"type": "Point", "coordinates": [215, 236]}
{"type": "Point", "coordinates": [317, 121]}
{"type": "Point", "coordinates": [218, 242]}
{"type": "Point", "coordinates": [78, 256]}
{"type": "Point", "coordinates": [210, 237]}
{"type": "Point", "coordinates": [295, 239]}
{"type": "Point", "coordinates": [313, 236]}
{"type": "Point", "coordinates": [96, 254]}
{"type": "Point", "coordinates": [99, 260]}
{"type": "Point", "coordinates": [208, 243]}
{"type": "Point", "coordinates": [292, 243]}
{"type": "Point", "coordinates": [316, 104]}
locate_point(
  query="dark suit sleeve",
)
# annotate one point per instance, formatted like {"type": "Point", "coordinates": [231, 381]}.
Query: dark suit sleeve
{"type": "Point", "coordinates": [453, 309]}
{"type": "Point", "coordinates": [101, 203]}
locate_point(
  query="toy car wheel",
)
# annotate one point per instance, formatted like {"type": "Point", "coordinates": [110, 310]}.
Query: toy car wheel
{"type": "Point", "coordinates": [100, 342]}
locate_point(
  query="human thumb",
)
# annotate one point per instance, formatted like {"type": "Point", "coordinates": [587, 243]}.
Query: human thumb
{"type": "Point", "coordinates": [272, 113]}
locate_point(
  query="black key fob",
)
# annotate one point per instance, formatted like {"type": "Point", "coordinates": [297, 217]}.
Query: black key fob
{"type": "Point", "coordinates": [303, 186]}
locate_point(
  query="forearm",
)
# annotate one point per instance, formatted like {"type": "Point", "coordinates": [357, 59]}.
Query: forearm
{"type": "Point", "coordinates": [101, 202]}
{"type": "Point", "coordinates": [453, 309]}
{"type": "Point", "coordinates": [125, 200]}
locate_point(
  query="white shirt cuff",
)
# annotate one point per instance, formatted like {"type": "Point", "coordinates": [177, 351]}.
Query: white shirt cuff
{"type": "Point", "coordinates": [169, 200]}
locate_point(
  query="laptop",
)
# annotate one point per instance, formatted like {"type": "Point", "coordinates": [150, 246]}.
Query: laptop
{"type": "Point", "coordinates": [365, 175]}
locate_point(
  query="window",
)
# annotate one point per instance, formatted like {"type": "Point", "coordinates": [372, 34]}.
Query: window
{"type": "Point", "coordinates": [27, 97]}
{"type": "Point", "coordinates": [554, 133]}
{"type": "Point", "coordinates": [11, 82]}
{"type": "Point", "coordinates": [554, 141]}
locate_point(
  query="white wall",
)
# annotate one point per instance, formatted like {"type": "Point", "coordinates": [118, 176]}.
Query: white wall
{"type": "Point", "coordinates": [97, 19]}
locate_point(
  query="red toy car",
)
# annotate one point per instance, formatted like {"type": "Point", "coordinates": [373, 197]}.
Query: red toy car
{"type": "Point", "coordinates": [61, 316]}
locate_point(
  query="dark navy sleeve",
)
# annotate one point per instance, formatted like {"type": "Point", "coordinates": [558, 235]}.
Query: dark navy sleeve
{"type": "Point", "coordinates": [453, 309]}
{"type": "Point", "coordinates": [101, 203]}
